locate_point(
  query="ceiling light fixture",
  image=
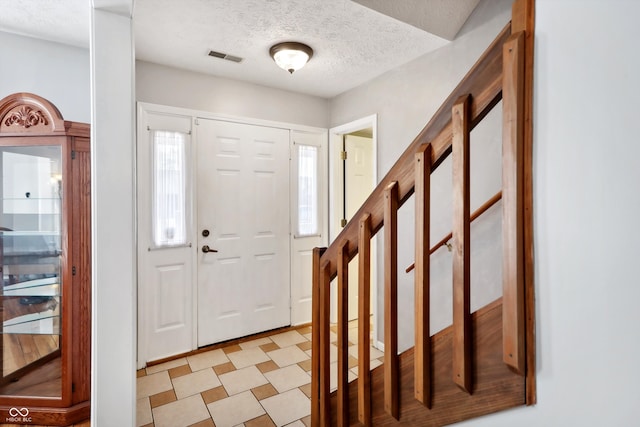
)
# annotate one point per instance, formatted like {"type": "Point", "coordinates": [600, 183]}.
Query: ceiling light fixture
{"type": "Point", "coordinates": [291, 56]}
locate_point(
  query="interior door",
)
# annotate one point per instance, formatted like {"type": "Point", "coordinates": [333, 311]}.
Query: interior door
{"type": "Point", "coordinates": [358, 185]}
{"type": "Point", "coordinates": [243, 229]}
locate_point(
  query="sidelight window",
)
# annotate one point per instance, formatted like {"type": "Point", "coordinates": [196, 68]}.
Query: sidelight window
{"type": "Point", "coordinates": [169, 200]}
{"type": "Point", "coordinates": [308, 207]}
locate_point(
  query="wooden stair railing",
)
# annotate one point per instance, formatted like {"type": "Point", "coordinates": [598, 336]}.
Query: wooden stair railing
{"type": "Point", "coordinates": [502, 73]}
{"type": "Point", "coordinates": [476, 214]}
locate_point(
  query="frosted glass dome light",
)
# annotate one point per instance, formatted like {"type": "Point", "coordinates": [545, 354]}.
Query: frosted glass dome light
{"type": "Point", "coordinates": [291, 56]}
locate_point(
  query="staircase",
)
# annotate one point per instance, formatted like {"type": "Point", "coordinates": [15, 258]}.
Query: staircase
{"type": "Point", "coordinates": [485, 361]}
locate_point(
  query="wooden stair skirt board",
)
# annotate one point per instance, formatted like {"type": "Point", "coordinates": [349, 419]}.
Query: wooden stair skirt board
{"type": "Point", "coordinates": [495, 386]}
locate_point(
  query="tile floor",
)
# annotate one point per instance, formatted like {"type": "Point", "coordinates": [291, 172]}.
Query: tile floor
{"type": "Point", "coordinates": [262, 382]}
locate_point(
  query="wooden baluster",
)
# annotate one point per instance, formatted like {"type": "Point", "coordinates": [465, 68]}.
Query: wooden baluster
{"type": "Point", "coordinates": [364, 321]}
{"type": "Point", "coordinates": [513, 327]}
{"type": "Point", "coordinates": [422, 351]}
{"type": "Point", "coordinates": [462, 374]}
{"type": "Point", "coordinates": [325, 291]}
{"type": "Point", "coordinates": [315, 337]}
{"type": "Point", "coordinates": [343, 331]}
{"type": "Point", "coordinates": [391, 389]}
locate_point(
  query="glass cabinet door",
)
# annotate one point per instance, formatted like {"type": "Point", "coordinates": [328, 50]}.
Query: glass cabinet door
{"type": "Point", "coordinates": [30, 256]}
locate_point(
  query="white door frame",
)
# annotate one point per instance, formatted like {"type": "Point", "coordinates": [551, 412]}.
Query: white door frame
{"type": "Point", "coordinates": [335, 195]}
{"type": "Point", "coordinates": [194, 115]}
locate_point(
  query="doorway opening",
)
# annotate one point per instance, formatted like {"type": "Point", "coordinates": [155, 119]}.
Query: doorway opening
{"type": "Point", "coordinates": [352, 178]}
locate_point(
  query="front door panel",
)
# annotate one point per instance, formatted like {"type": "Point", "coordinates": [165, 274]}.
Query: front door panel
{"type": "Point", "coordinates": [243, 204]}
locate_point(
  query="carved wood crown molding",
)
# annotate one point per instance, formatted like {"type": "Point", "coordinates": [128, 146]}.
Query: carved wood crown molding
{"type": "Point", "coordinates": [25, 113]}
{"type": "Point", "coordinates": [26, 117]}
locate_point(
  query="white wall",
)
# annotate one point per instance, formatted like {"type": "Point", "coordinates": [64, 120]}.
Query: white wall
{"type": "Point", "coordinates": [61, 74]}
{"type": "Point", "coordinates": [587, 207]}
{"type": "Point", "coordinates": [113, 341]}
{"type": "Point", "coordinates": [57, 72]}
{"type": "Point", "coordinates": [164, 85]}
{"type": "Point", "coordinates": [404, 100]}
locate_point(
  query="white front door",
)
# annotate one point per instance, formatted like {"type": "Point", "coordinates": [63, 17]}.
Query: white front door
{"type": "Point", "coordinates": [243, 218]}
{"type": "Point", "coordinates": [308, 214]}
{"type": "Point", "coordinates": [165, 231]}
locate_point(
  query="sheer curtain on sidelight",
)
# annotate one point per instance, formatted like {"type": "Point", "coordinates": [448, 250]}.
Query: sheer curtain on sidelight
{"type": "Point", "coordinates": [308, 208]}
{"type": "Point", "coordinates": [169, 200]}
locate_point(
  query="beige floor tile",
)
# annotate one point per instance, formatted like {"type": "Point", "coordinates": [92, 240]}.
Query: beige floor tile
{"type": "Point", "coordinates": [306, 389]}
{"type": "Point", "coordinates": [263, 421]}
{"type": "Point", "coordinates": [243, 358]}
{"type": "Point", "coordinates": [264, 391]}
{"type": "Point", "coordinates": [353, 336]}
{"type": "Point", "coordinates": [179, 371]}
{"type": "Point", "coordinates": [305, 365]}
{"type": "Point", "coordinates": [296, 423]}
{"type": "Point", "coordinates": [195, 383]}
{"type": "Point", "coordinates": [333, 353]}
{"type": "Point", "coordinates": [153, 384]}
{"type": "Point", "coordinates": [305, 330]}
{"type": "Point", "coordinates": [224, 368]}
{"type": "Point", "coordinates": [269, 347]}
{"type": "Point", "coordinates": [181, 413]}
{"type": "Point", "coordinates": [243, 379]}
{"type": "Point", "coordinates": [287, 339]}
{"type": "Point", "coordinates": [333, 376]}
{"type": "Point", "coordinates": [162, 398]}
{"type": "Point", "coordinates": [372, 365]}
{"type": "Point", "coordinates": [143, 412]}
{"type": "Point", "coordinates": [207, 359]}
{"type": "Point", "coordinates": [287, 407]}
{"type": "Point", "coordinates": [213, 395]}
{"type": "Point", "coordinates": [306, 421]}
{"type": "Point", "coordinates": [232, 348]}
{"type": "Point", "coordinates": [374, 352]}
{"type": "Point", "coordinates": [353, 361]}
{"type": "Point", "coordinates": [255, 343]}
{"type": "Point", "coordinates": [166, 365]}
{"type": "Point", "coordinates": [206, 423]}
{"type": "Point", "coordinates": [235, 409]}
{"type": "Point", "coordinates": [267, 366]}
{"type": "Point", "coordinates": [288, 378]}
{"type": "Point", "coordinates": [288, 356]}
{"type": "Point", "coordinates": [304, 345]}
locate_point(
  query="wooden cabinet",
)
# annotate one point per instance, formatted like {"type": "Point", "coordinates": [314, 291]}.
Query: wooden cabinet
{"type": "Point", "coordinates": [45, 257]}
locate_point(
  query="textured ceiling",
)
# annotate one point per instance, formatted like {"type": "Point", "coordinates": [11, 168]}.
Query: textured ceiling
{"type": "Point", "coordinates": [352, 43]}
{"type": "Point", "coordinates": [444, 17]}
{"type": "Point", "coordinates": [62, 21]}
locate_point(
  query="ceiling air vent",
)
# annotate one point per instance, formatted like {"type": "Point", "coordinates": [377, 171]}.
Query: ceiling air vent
{"type": "Point", "coordinates": [225, 56]}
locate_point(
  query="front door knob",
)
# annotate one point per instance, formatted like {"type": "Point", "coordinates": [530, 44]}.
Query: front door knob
{"type": "Point", "coordinates": [207, 249]}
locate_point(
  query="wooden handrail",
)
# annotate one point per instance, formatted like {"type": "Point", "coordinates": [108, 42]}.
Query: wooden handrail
{"type": "Point", "coordinates": [482, 209]}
